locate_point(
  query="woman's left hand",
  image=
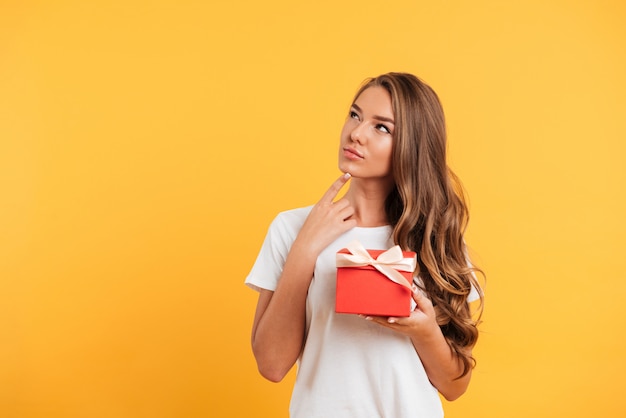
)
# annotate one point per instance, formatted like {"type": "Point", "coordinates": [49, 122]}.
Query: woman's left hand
{"type": "Point", "coordinates": [441, 364]}
{"type": "Point", "coordinates": [422, 321]}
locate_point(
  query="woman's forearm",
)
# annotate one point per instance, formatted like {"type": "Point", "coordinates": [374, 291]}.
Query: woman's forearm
{"type": "Point", "coordinates": [442, 365]}
{"type": "Point", "coordinates": [279, 325]}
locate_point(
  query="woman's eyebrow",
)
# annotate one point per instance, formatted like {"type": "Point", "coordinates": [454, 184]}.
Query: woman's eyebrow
{"type": "Point", "coordinates": [377, 117]}
{"type": "Point", "coordinates": [384, 119]}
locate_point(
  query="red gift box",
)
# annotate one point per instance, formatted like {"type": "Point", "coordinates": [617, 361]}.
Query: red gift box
{"type": "Point", "coordinates": [374, 282]}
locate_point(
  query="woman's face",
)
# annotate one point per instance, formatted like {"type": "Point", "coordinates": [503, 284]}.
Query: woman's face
{"type": "Point", "coordinates": [367, 136]}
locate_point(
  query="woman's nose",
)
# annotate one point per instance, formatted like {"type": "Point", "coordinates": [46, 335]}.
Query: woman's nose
{"type": "Point", "coordinates": [357, 134]}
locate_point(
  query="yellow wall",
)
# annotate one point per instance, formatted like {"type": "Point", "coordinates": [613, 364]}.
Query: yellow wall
{"type": "Point", "coordinates": [145, 147]}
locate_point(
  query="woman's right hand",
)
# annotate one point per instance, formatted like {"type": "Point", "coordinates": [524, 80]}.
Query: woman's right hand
{"type": "Point", "coordinates": [327, 220]}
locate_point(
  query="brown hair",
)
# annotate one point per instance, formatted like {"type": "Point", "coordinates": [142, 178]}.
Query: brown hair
{"type": "Point", "coordinates": [427, 208]}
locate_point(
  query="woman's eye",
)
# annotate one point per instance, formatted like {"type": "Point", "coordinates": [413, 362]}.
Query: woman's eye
{"type": "Point", "coordinates": [353, 114]}
{"type": "Point", "coordinates": [383, 128]}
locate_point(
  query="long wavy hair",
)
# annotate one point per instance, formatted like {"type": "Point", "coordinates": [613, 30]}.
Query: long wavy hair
{"type": "Point", "coordinates": [427, 209]}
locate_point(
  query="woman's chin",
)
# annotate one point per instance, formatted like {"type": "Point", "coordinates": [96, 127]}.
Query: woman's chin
{"type": "Point", "coordinates": [346, 167]}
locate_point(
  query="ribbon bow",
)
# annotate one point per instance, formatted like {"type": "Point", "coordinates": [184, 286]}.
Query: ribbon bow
{"type": "Point", "coordinates": [388, 262]}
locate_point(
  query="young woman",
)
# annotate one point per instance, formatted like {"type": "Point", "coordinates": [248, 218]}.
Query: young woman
{"type": "Point", "coordinates": [393, 148]}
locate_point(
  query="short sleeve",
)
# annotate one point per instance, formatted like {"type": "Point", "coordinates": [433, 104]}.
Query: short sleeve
{"type": "Point", "coordinates": [473, 294]}
{"type": "Point", "coordinates": [268, 266]}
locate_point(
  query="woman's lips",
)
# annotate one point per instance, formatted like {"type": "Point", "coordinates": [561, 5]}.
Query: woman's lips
{"type": "Point", "coordinates": [352, 154]}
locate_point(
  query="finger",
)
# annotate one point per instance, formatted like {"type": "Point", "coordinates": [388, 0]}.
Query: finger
{"type": "Point", "coordinates": [341, 204]}
{"type": "Point", "coordinates": [332, 192]}
{"type": "Point", "coordinates": [420, 298]}
{"type": "Point", "coordinates": [394, 320]}
{"type": "Point", "coordinates": [382, 320]}
{"type": "Point", "coordinates": [349, 223]}
{"type": "Point", "coordinates": [389, 322]}
{"type": "Point", "coordinates": [346, 212]}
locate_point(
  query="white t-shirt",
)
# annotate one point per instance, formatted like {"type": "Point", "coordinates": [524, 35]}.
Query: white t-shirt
{"type": "Point", "coordinates": [350, 367]}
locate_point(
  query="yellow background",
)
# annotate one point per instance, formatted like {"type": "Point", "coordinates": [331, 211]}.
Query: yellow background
{"type": "Point", "coordinates": [146, 146]}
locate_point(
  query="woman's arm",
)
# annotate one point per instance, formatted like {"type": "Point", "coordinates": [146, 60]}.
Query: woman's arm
{"type": "Point", "coordinates": [442, 365]}
{"type": "Point", "coordinates": [278, 328]}
{"type": "Point", "coordinates": [279, 322]}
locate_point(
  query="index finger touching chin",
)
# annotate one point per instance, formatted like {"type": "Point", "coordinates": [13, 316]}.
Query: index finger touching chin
{"type": "Point", "coordinates": [331, 193]}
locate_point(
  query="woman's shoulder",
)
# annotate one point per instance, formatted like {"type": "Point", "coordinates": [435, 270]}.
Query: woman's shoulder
{"type": "Point", "coordinates": [289, 222]}
{"type": "Point", "coordinates": [295, 216]}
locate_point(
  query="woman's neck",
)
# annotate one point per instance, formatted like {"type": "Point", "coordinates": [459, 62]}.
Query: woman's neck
{"type": "Point", "coordinates": [368, 200]}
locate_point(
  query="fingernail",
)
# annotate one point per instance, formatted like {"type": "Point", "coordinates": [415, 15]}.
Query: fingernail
{"type": "Point", "coordinates": [391, 320]}
{"type": "Point", "coordinates": [368, 318]}
{"type": "Point", "coordinates": [347, 176]}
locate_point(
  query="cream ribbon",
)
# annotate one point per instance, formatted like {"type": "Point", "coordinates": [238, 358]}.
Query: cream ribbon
{"type": "Point", "coordinates": [388, 262]}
